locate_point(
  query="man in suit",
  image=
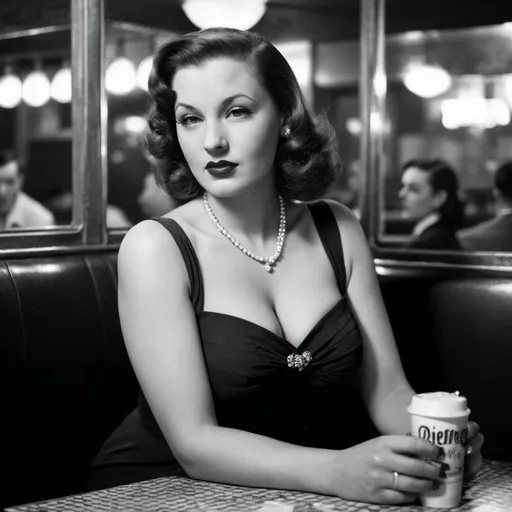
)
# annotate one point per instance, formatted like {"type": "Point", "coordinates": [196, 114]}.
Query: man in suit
{"type": "Point", "coordinates": [17, 209]}
{"type": "Point", "coordinates": [495, 234]}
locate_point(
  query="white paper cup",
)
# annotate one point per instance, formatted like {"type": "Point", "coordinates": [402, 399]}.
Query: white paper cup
{"type": "Point", "coordinates": [442, 419]}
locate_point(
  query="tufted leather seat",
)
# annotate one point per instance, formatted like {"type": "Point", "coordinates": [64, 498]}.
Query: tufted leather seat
{"type": "Point", "coordinates": [68, 380]}
{"type": "Point", "coordinates": [454, 332]}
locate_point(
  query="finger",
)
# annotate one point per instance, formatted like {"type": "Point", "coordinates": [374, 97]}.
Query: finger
{"type": "Point", "coordinates": [475, 444]}
{"type": "Point", "coordinates": [415, 446]}
{"type": "Point", "coordinates": [473, 465]}
{"type": "Point", "coordinates": [473, 429]}
{"type": "Point", "coordinates": [420, 468]}
{"type": "Point", "coordinates": [406, 483]}
{"type": "Point", "coordinates": [393, 497]}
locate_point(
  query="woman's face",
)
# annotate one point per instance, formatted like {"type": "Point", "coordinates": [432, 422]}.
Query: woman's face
{"type": "Point", "coordinates": [417, 195]}
{"type": "Point", "coordinates": [223, 113]}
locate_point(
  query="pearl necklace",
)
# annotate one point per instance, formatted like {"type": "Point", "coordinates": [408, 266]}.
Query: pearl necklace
{"type": "Point", "coordinates": [268, 262]}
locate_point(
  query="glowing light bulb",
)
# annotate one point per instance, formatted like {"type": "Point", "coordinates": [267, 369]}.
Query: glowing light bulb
{"type": "Point", "coordinates": [36, 89]}
{"type": "Point", "coordinates": [60, 88]}
{"type": "Point", "coordinates": [143, 72]}
{"type": "Point", "coordinates": [121, 77]}
{"type": "Point", "coordinates": [427, 81]}
{"type": "Point", "coordinates": [224, 13]}
{"type": "Point", "coordinates": [10, 91]}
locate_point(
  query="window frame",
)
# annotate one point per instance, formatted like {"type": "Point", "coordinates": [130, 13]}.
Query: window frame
{"type": "Point", "coordinates": [89, 108]}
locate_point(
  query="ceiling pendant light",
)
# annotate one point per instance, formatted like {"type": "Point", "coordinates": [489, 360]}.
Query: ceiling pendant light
{"type": "Point", "coordinates": [121, 75]}
{"type": "Point", "coordinates": [60, 87]}
{"type": "Point", "coordinates": [10, 89]}
{"type": "Point", "coordinates": [241, 14]}
{"type": "Point", "coordinates": [427, 80]}
{"type": "Point", "coordinates": [36, 88]}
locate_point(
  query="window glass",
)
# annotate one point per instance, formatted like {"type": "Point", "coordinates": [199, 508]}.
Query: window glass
{"type": "Point", "coordinates": [35, 116]}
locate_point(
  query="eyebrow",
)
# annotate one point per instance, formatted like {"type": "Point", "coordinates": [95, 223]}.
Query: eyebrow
{"type": "Point", "coordinates": [224, 103]}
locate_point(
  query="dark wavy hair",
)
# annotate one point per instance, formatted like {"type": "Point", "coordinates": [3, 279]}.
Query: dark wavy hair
{"type": "Point", "coordinates": [503, 180]}
{"type": "Point", "coordinates": [442, 177]}
{"type": "Point", "coordinates": [306, 162]}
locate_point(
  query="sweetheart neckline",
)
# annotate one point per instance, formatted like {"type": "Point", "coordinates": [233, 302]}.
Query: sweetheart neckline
{"type": "Point", "coordinates": [275, 335]}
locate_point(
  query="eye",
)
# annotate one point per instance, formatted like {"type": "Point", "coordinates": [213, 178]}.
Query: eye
{"type": "Point", "coordinates": [239, 112]}
{"type": "Point", "coordinates": [188, 120]}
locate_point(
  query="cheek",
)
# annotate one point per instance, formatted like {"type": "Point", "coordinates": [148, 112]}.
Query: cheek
{"type": "Point", "coordinates": [190, 148]}
{"type": "Point", "coordinates": [262, 145]}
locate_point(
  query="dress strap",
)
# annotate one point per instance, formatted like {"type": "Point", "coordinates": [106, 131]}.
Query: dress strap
{"type": "Point", "coordinates": [329, 233]}
{"type": "Point", "coordinates": [190, 258]}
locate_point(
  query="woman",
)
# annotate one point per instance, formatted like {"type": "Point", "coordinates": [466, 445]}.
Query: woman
{"type": "Point", "coordinates": [256, 367]}
{"type": "Point", "coordinates": [429, 195]}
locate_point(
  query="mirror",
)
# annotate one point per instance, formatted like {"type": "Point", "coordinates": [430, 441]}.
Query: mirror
{"type": "Point", "coordinates": [448, 131]}
{"type": "Point", "coordinates": [35, 116]}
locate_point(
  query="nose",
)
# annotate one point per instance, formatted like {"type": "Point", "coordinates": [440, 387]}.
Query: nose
{"type": "Point", "coordinates": [215, 142]}
{"type": "Point", "coordinates": [401, 193]}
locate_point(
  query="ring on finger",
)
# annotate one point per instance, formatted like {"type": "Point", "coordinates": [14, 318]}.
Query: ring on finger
{"type": "Point", "coordinates": [395, 480]}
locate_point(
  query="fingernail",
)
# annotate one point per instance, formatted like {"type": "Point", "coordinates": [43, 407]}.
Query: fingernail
{"type": "Point", "coordinates": [469, 450]}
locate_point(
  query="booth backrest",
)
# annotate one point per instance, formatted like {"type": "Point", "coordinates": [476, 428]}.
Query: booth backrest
{"type": "Point", "coordinates": [68, 381]}
{"type": "Point", "coordinates": [454, 333]}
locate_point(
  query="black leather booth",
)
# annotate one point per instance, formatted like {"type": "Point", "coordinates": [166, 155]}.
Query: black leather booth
{"type": "Point", "coordinates": [67, 378]}
{"type": "Point", "coordinates": [67, 381]}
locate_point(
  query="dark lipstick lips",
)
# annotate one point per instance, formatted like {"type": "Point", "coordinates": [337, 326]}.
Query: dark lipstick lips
{"type": "Point", "coordinates": [221, 168]}
{"type": "Point", "coordinates": [220, 164]}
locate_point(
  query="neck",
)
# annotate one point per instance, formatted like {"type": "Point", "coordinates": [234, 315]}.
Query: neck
{"type": "Point", "coordinates": [252, 217]}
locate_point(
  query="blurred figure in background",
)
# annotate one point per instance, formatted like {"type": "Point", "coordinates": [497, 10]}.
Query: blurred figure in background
{"type": "Point", "coordinates": [348, 190]}
{"type": "Point", "coordinates": [60, 202]}
{"type": "Point", "coordinates": [17, 209]}
{"type": "Point", "coordinates": [495, 234]}
{"type": "Point", "coordinates": [429, 196]}
{"type": "Point", "coordinates": [153, 200]}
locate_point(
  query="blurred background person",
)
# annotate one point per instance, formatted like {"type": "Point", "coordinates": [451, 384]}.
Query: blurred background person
{"type": "Point", "coordinates": [17, 209]}
{"type": "Point", "coordinates": [348, 189]}
{"type": "Point", "coordinates": [495, 234]}
{"type": "Point", "coordinates": [60, 202]}
{"type": "Point", "coordinates": [429, 196]}
{"type": "Point", "coordinates": [153, 200]}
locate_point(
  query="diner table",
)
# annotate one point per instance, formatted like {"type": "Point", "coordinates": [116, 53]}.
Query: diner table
{"type": "Point", "coordinates": [489, 491]}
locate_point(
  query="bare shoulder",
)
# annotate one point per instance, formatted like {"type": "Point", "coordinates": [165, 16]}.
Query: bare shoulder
{"type": "Point", "coordinates": [149, 253]}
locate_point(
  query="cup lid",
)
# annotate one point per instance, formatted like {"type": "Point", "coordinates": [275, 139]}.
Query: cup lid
{"type": "Point", "coordinates": [439, 404]}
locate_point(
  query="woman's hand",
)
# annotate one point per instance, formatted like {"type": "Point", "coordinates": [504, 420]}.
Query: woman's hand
{"type": "Point", "coordinates": [366, 472]}
{"type": "Point", "coordinates": [473, 450]}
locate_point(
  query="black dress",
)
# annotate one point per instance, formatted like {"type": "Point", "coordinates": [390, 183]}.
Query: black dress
{"type": "Point", "coordinates": [309, 395]}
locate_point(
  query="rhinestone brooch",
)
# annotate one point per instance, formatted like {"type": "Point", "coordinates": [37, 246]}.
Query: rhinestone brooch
{"type": "Point", "coordinates": [299, 361]}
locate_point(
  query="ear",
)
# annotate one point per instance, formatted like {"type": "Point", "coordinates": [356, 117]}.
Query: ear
{"type": "Point", "coordinates": [440, 198]}
{"type": "Point", "coordinates": [21, 179]}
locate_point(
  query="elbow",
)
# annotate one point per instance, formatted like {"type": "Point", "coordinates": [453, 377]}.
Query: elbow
{"type": "Point", "coordinates": [192, 454]}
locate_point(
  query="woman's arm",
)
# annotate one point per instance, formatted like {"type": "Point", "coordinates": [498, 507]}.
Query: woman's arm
{"type": "Point", "coordinates": [162, 340]}
{"type": "Point", "coordinates": [386, 390]}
